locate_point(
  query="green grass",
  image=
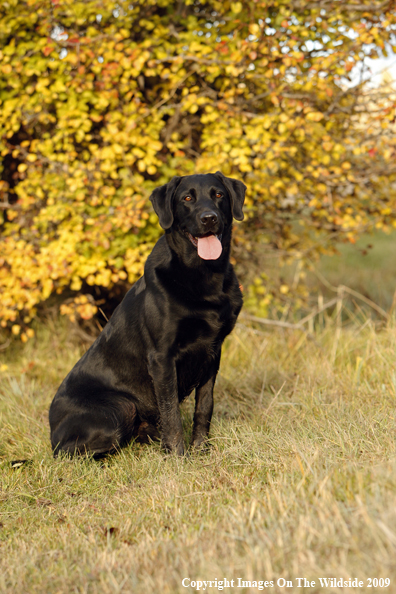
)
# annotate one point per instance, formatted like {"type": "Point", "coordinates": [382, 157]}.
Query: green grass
{"type": "Point", "coordinates": [369, 267]}
{"type": "Point", "coordinates": [299, 480]}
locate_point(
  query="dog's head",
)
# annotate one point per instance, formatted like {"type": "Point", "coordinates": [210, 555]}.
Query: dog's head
{"type": "Point", "coordinates": [201, 207]}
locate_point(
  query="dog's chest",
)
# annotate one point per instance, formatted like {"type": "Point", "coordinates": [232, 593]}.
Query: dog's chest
{"type": "Point", "coordinates": [198, 345]}
{"type": "Point", "coordinates": [205, 327]}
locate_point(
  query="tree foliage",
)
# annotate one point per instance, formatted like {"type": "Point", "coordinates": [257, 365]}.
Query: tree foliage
{"type": "Point", "coordinates": [101, 101]}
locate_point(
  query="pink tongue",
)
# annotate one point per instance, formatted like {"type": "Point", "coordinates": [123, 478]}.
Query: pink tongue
{"type": "Point", "coordinates": [209, 248]}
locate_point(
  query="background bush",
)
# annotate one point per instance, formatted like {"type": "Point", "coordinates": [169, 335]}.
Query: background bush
{"type": "Point", "coordinates": [102, 101]}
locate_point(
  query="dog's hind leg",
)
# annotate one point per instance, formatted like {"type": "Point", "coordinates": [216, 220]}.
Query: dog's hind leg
{"type": "Point", "coordinates": [147, 432]}
{"type": "Point", "coordinates": [98, 432]}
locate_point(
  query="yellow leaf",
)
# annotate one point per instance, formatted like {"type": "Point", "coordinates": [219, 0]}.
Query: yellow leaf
{"type": "Point", "coordinates": [314, 116]}
{"type": "Point", "coordinates": [236, 7]}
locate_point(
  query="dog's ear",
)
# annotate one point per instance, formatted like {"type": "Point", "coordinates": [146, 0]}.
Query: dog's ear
{"type": "Point", "coordinates": [236, 190]}
{"type": "Point", "coordinates": [162, 201]}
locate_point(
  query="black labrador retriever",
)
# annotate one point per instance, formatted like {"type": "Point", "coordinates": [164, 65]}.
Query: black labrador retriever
{"type": "Point", "coordinates": [164, 339]}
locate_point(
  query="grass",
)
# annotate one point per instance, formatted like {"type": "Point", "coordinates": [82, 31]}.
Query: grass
{"type": "Point", "coordinates": [369, 267]}
{"type": "Point", "coordinates": [299, 481]}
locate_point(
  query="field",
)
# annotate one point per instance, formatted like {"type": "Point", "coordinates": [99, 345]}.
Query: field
{"type": "Point", "coordinates": [369, 267]}
{"type": "Point", "coordinates": [299, 480]}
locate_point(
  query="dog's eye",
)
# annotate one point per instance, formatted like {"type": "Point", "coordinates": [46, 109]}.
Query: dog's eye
{"type": "Point", "coordinates": [187, 198]}
{"type": "Point", "coordinates": [219, 194]}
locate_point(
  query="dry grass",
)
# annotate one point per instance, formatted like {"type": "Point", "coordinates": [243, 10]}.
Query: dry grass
{"type": "Point", "coordinates": [299, 480]}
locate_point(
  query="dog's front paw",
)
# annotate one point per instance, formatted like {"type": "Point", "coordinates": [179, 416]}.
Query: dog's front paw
{"type": "Point", "coordinates": [174, 448]}
{"type": "Point", "coordinates": [180, 449]}
{"type": "Point", "coordinates": [200, 444]}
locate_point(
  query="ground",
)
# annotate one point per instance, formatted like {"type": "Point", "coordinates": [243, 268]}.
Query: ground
{"type": "Point", "coordinates": [298, 482]}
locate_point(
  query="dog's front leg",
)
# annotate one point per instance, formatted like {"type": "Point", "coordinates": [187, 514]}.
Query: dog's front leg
{"type": "Point", "coordinates": [203, 412]}
{"type": "Point", "coordinates": [163, 373]}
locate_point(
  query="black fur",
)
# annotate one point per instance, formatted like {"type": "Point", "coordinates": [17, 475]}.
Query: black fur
{"type": "Point", "coordinates": [164, 339]}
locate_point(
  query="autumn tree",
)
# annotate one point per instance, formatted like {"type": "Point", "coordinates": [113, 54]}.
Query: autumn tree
{"type": "Point", "coordinates": [101, 101]}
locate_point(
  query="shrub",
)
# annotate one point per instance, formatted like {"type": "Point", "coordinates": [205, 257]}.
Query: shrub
{"type": "Point", "coordinates": [101, 101]}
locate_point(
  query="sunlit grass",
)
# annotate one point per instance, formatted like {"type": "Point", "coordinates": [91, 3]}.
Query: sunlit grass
{"type": "Point", "coordinates": [299, 479]}
{"type": "Point", "coordinates": [369, 267]}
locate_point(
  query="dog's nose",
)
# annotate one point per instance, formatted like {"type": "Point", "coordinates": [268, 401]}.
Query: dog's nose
{"type": "Point", "coordinates": [208, 218]}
